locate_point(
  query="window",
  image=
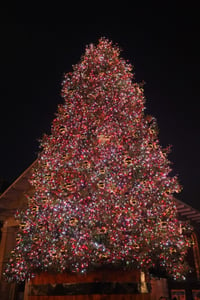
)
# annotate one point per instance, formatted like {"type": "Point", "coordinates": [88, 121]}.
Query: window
{"type": "Point", "coordinates": [196, 255]}
{"type": "Point", "coordinates": [178, 295]}
{"type": "Point", "coordinates": [196, 294]}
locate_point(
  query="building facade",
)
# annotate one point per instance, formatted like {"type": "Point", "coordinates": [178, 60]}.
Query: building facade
{"type": "Point", "coordinates": [14, 199]}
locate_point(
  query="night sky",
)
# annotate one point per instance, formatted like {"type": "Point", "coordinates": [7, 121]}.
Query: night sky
{"type": "Point", "coordinates": [165, 55]}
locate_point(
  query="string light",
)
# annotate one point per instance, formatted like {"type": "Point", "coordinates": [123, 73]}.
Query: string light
{"type": "Point", "coordinates": [103, 194]}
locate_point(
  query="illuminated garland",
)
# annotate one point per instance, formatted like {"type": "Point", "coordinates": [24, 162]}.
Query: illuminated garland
{"type": "Point", "coordinates": [103, 194]}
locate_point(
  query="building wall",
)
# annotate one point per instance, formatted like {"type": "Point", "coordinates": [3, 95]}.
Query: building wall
{"type": "Point", "coordinates": [8, 240]}
{"type": "Point", "coordinates": [190, 288]}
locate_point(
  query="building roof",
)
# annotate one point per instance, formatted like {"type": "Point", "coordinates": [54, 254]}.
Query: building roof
{"type": "Point", "coordinates": [14, 198]}
{"type": "Point", "coordinates": [188, 212]}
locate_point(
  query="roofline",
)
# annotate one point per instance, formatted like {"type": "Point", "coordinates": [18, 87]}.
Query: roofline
{"type": "Point", "coordinates": [18, 179]}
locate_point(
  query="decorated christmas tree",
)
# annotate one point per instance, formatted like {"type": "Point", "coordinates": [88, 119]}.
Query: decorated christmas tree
{"type": "Point", "coordinates": [103, 195]}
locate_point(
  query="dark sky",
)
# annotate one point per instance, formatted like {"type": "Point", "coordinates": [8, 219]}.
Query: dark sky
{"type": "Point", "coordinates": [165, 54]}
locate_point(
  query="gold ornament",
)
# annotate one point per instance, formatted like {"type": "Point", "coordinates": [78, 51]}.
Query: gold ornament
{"type": "Point", "coordinates": [18, 238]}
{"type": "Point", "coordinates": [127, 160]}
{"type": "Point", "coordinates": [152, 131]}
{"type": "Point", "coordinates": [163, 224]}
{"type": "Point", "coordinates": [133, 201]}
{"type": "Point", "coordinates": [86, 164]}
{"type": "Point", "coordinates": [47, 177]}
{"type": "Point", "coordinates": [153, 146]}
{"type": "Point", "coordinates": [35, 208]}
{"type": "Point", "coordinates": [101, 184]}
{"type": "Point", "coordinates": [163, 155]}
{"type": "Point", "coordinates": [62, 129]}
{"type": "Point", "coordinates": [102, 139]}
{"type": "Point", "coordinates": [81, 136]}
{"type": "Point", "coordinates": [192, 243]}
{"type": "Point", "coordinates": [94, 96]}
{"type": "Point", "coordinates": [65, 114]}
{"type": "Point", "coordinates": [180, 229]}
{"type": "Point", "coordinates": [135, 246]}
{"type": "Point", "coordinates": [22, 225]}
{"type": "Point", "coordinates": [40, 226]}
{"type": "Point", "coordinates": [70, 186]}
{"type": "Point", "coordinates": [54, 254]}
{"type": "Point", "coordinates": [139, 90]}
{"type": "Point", "coordinates": [172, 250]}
{"type": "Point", "coordinates": [103, 255]}
{"type": "Point", "coordinates": [44, 199]}
{"type": "Point", "coordinates": [136, 135]}
{"type": "Point", "coordinates": [102, 170]}
{"type": "Point", "coordinates": [73, 221]}
{"type": "Point", "coordinates": [102, 230]}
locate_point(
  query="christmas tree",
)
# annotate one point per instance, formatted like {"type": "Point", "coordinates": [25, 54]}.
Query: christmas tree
{"type": "Point", "coordinates": [102, 191]}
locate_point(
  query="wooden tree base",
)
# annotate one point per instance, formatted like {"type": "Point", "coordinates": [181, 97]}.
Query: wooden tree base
{"type": "Point", "coordinates": [101, 284]}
